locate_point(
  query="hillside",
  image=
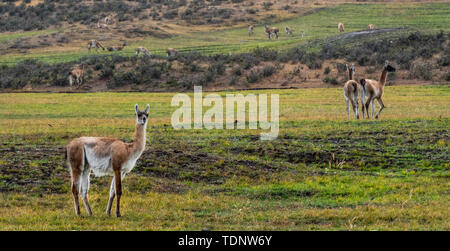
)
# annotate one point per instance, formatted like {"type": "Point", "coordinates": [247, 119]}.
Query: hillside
{"type": "Point", "coordinates": [63, 45]}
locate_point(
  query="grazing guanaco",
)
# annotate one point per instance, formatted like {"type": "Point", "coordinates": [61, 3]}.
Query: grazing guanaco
{"type": "Point", "coordinates": [341, 27]}
{"type": "Point", "coordinates": [171, 52]}
{"type": "Point", "coordinates": [77, 75]}
{"type": "Point", "coordinates": [303, 33]}
{"type": "Point", "coordinates": [374, 90]}
{"type": "Point", "coordinates": [270, 31]}
{"type": "Point", "coordinates": [104, 156]}
{"type": "Point", "coordinates": [93, 43]}
{"type": "Point", "coordinates": [351, 91]}
{"type": "Point", "coordinates": [142, 50]}
{"type": "Point", "coordinates": [371, 27]}
{"type": "Point", "coordinates": [117, 48]}
{"type": "Point", "coordinates": [288, 31]}
{"type": "Point", "coordinates": [250, 30]}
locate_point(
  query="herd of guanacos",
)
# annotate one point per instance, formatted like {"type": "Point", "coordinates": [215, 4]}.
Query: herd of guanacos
{"type": "Point", "coordinates": [353, 90]}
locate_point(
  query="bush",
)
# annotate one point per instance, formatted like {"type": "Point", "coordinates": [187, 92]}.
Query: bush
{"type": "Point", "coordinates": [253, 76]}
{"type": "Point", "coordinates": [330, 80]}
{"type": "Point", "coordinates": [421, 71]}
{"type": "Point", "coordinates": [268, 70]}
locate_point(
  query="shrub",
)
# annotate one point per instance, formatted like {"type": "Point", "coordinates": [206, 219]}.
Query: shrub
{"type": "Point", "coordinates": [331, 80]}
{"type": "Point", "coordinates": [253, 76]}
{"type": "Point", "coordinates": [421, 71]}
{"type": "Point", "coordinates": [268, 70]}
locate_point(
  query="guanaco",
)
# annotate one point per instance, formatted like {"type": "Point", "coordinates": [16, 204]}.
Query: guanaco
{"type": "Point", "coordinates": [93, 43]}
{"type": "Point", "coordinates": [142, 50]}
{"type": "Point", "coordinates": [270, 31]}
{"type": "Point", "coordinates": [77, 75]}
{"type": "Point", "coordinates": [171, 52]}
{"type": "Point", "coordinates": [341, 27]}
{"type": "Point", "coordinates": [104, 156]}
{"type": "Point", "coordinates": [117, 48]}
{"type": "Point", "coordinates": [374, 89]}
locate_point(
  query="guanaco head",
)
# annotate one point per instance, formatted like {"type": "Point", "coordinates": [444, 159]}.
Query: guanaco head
{"type": "Point", "coordinates": [389, 67]}
{"type": "Point", "coordinates": [350, 70]}
{"type": "Point", "coordinates": [141, 116]}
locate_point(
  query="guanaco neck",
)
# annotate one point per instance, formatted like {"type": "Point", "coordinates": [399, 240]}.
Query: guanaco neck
{"type": "Point", "coordinates": [350, 75]}
{"type": "Point", "coordinates": [138, 144]}
{"type": "Point", "coordinates": [383, 77]}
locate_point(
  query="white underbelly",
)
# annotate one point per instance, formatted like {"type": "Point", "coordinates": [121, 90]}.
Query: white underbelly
{"type": "Point", "coordinates": [100, 165]}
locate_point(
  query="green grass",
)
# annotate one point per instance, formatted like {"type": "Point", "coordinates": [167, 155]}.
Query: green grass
{"type": "Point", "coordinates": [387, 174]}
{"type": "Point", "coordinates": [6, 37]}
{"type": "Point", "coordinates": [319, 24]}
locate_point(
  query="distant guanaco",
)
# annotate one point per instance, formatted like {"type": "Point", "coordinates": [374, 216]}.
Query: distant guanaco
{"type": "Point", "coordinates": [171, 52]}
{"type": "Point", "coordinates": [351, 90]}
{"type": "Point", "coordinates": [270, 31]}
{"type": "Point", "coordinates": [93, 43]}
{"type": "Point", "coordinates": [142, 50]}
{"type": "Point", "coordinates": [341, 27]}
{"type": "Point", "coordinates": [288, 31]}
{"type": "Point", "coordinates": [374, 89]}
{"type": "Point", "coordinates": [371, 27]}
{"type": "Point", "coordinates": [250, 30]}
{"type": "Point", "coordinates": [77, 75]}
{"type": "Point", "coordinates": [117, 48]}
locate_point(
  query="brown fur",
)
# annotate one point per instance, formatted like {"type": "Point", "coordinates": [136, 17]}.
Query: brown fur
{"type": "Point", "coordinates": [341, 27]}
{"type": "Point", "coordinates": [371, 27]}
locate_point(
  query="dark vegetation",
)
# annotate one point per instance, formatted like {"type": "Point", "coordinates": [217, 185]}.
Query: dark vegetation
{"type": "Point", "coordinates": [412, 51]}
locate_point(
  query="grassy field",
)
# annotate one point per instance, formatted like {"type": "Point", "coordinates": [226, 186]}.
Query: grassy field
{"type": "Point", "coordinates": [321, 23]}
{"type": "Point", "coordinates": [321, 173]}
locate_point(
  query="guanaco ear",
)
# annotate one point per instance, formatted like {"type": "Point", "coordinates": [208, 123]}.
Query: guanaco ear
{"type": "Point", "coordinates": [346, 66]}
{"type": "Point", "coordinates": [147, 109]}
{"type": "Point", "coordinates": [386, 63]}
{"type": "Point", "coordinates": [136, 108]}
